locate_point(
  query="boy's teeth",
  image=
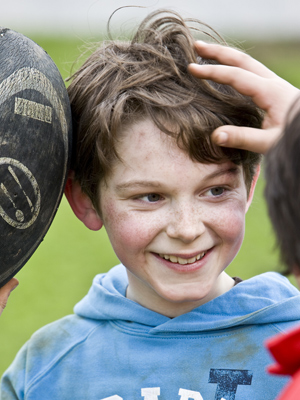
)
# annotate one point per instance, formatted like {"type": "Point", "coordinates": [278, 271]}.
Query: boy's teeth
{"type": "Point", "coordinates": [182, 261]}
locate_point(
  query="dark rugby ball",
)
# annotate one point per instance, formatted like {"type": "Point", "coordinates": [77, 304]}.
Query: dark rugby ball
{"type": "Point", "coordinates": [35, 148]}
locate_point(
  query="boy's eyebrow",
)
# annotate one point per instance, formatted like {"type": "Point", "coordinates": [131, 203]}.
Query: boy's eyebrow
{"type": "Point", "coordinates": [138, 183]}
{"type": "Point", "coordinates": [141, 183]}
{"type": "Point", "coordinates": [232, 170]}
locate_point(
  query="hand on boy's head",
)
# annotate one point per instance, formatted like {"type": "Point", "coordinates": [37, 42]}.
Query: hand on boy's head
{"type": "Point", "coordinates": [5, 292]}
{"type": "Point", "coordinates": [257, 140]}
{"type": "Point", "coordinates": [251, 78]}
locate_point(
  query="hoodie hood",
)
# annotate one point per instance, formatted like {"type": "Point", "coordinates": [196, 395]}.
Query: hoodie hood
{"type": "Point", "coordinates": [121, 350]}
{"type": "Point", "coordinates": [268, 298]}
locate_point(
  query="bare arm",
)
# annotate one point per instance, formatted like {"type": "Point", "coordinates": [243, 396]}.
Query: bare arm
{"type": "Point", "coordinates": [5, 292]}
{"type": "Point", "coordinates": [270, 92]}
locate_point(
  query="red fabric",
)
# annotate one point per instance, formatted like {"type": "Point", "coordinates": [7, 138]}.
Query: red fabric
{"type": "Point", "coordinates": [292, 389]}
{"type": "Point", "coordinates": [285, 348]}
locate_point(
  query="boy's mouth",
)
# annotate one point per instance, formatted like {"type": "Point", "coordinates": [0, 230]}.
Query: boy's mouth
{"type": "Point", "coordinates": [183, 261]}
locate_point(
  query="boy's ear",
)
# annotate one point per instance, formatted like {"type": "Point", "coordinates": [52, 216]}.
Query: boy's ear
{"type": "Point", "coordinates": [252, 188]}
{"type": "Point", "coordinates": [81, 204]}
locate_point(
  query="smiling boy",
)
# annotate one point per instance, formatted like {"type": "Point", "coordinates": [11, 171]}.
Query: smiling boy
{"type": "Point", "coordinates": [168, 322]}
{"type": "Point", "coordinates": [174, 223]}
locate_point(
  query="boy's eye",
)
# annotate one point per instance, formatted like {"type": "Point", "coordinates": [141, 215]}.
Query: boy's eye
{"type": "Point", "coordinates": [151, 197]}
{"type": "Point", "coordinates": [216, 191]}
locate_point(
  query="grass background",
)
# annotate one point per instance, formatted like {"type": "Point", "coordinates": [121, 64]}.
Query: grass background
{"type": "Point", "coordinates": [60, 272]}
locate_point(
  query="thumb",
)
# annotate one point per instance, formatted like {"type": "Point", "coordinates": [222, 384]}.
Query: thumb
{"type": "Point", "coordinates": [5, 292]}
{"type": "Point", "coordinates": [257, 140]}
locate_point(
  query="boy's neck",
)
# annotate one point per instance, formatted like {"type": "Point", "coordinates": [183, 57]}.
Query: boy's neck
{"type": "Point", "coordinates": [151, 300]}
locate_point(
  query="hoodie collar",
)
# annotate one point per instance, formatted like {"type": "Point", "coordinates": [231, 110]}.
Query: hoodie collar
{"type": "Point", "coordinates": [266, 298]}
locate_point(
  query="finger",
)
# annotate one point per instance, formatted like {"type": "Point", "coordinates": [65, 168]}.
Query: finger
{"type": "Point", "coordinates": [243, 81]}
{"type": "Point", "coordinates": [233, 57]}
{"type": "Point", "coordinates": [5, 292]}
{"type": "Point", "coordinates": [257, 140]}
{"type": "Point", "coordinates": [272, 95]}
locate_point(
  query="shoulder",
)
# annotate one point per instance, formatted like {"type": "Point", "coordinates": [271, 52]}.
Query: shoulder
{"type": "Point", "coordinates": [48, 346]}
{"type": "Point", "coordinates": [61, 335]}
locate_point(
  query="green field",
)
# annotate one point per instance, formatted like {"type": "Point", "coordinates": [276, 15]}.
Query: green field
{"type": "Point", "coordinates": [61, 270]}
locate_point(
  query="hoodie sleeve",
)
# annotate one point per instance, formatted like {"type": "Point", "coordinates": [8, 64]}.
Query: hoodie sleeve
{"type": "Point", "coordinates": [43, 352]}
{"type": "Point", "coordinates": [13, 381]}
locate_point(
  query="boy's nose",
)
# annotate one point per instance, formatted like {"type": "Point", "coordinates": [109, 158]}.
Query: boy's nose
{"type": "Point", "coordinates": [185, 224]}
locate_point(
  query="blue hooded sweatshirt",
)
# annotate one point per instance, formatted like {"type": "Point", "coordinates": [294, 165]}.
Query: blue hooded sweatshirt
{"type": "Point", "coordinates": [114, 349]}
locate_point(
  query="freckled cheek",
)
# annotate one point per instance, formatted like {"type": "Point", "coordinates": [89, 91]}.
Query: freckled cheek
{"type": "Point", "coordinates": [230, 225]}
{"type": "Point", "coordinates": [129, 231]}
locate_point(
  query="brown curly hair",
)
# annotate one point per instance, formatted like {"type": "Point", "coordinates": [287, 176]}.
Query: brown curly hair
{"type": "Point", "coordinates": [147, 77]}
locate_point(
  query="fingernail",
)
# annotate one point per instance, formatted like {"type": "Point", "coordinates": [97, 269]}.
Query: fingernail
{"type": "Point", "coordinates": [221, 138]}
{"type": "Point", "coordinates": [201, 42]}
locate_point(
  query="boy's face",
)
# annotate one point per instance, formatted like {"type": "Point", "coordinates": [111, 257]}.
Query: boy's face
{"type": "Point", "coordinates": [174, 223]}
